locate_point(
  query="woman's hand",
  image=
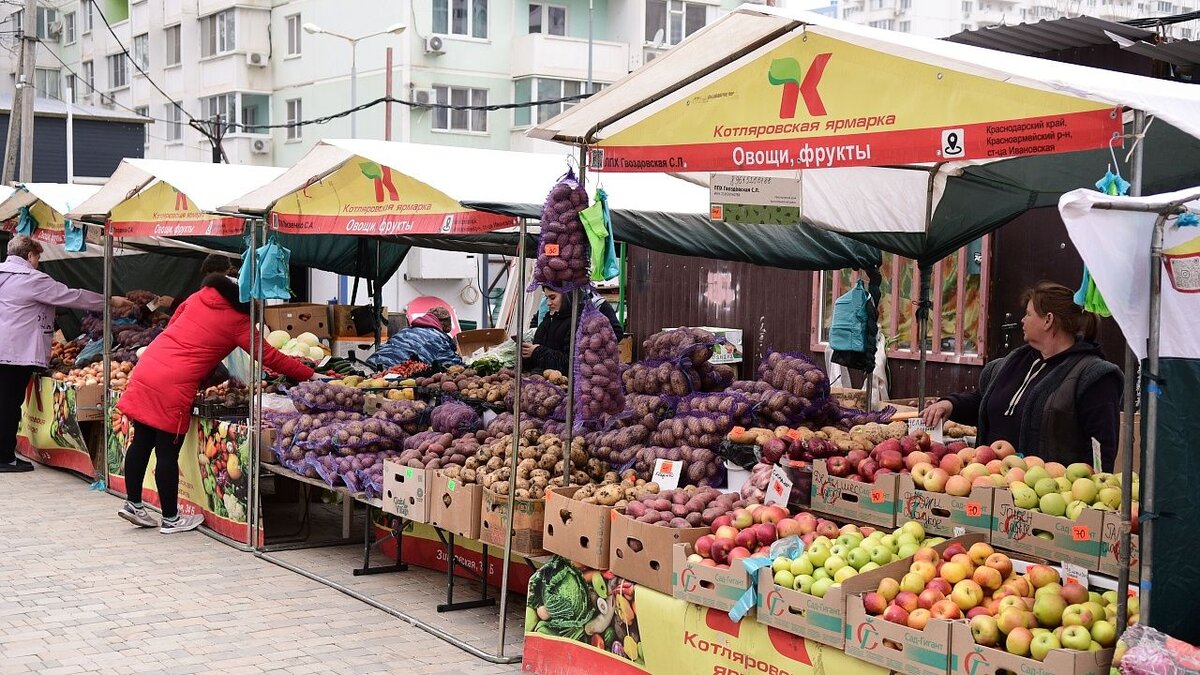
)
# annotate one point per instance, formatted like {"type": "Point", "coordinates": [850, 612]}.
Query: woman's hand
{"type": "Point", "coordinates": [936, 413]}
{"type": "Point", "coordinates": [120, 304]}
{"type": "Point", "coordinates": [527, 350]}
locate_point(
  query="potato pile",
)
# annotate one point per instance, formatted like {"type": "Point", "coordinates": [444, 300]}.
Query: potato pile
{"type": "Point", "coordinates": [683, 508]}
{"type": "Point", "coordinates": [454, 417]}
{"type": "Point", "coordinates": [603, 444]}
{"type": "Point", "coordinates": [489, 389]}
{"type": "Point", "coordinates": [563, 251]}
{"type": "Point", "coordinates": [701, 467]}
{"type": "Point", "coordinates": [353, 436]}
{"type": "Point", "coordinates": [620, 494]}
{"type": "Point", "coordinates": [94, 375]}
{"type": "Point", "coordinates": [429, 450]}
{"type": "Point", "coordinates": [698, 430]}
{"type": "Point", "coordinates": [503, 426]}
{"type": "Point", "coordinates": [228, 394]}
{"type": "Point", "coordinates": [657, 378]}
{"type": "Point", "coordinates": [646, 410]}
{"type": "Point", "coordinates": [317, 396]}
{"type": "Point", "coordinates": [598, 389]}
{"type": "Point", "coordinates": [795, 374]}
{"type": "Point", "coordinates": [540, 397]}
{"type": "Point", "coordinates": [694, 345]}
{"type": "Point", "coordinates": [64, 353]}
{"type": "Point", "coordinates": [956, 430]}
{"type": "Point", "coordinates": [738, 407]}
{"type": "Point", "coordinates": [412, 416]}
{"type": "Point", "coordinates": [540, 464]}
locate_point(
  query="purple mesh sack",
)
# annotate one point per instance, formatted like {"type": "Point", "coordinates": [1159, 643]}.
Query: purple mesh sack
{"type": "Point", "coordinates": [597, 379]}
{"type": "Point", "coordinates": [564, 254]}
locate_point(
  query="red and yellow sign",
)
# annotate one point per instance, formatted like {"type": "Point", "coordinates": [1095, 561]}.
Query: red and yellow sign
{"type": "Point", "coordinates": [162, 211]}
{"type": "Point", "coordinates": [816, 102]}
{"type": "Point", "coordinates": [49, 227]}
{"type": "Point", "coordinates": [366, 198]}
{"type": "Point", "coordinates": [49, 431]}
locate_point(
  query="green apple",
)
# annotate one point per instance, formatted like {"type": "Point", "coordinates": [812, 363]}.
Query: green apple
{"type": "Point", "coordinates": [1045, 486]}
{"type": "Point", "coordinates": [785, 578]}
{"type": "Point", "coordinates": [781, 563]}
{"type": "Point", "coordinates": [868, 567]}
{"type": "Point", "coordinates": [889, 540]}
{"type": "Point", "coordinates": [858, 557]}
{"type": "Point", "coordinates": [1076, 637]}
{"type": "Point", "coordinates": [804, 583]}
{"type": "Point", "coordinates": [914, 528]}
{"type": "Point", "coordinates": [881, 555]}
{"type": "Point", "coordinates": [1024, 497]}
{"type": "Point", "coordinates": [1084, 490]}
{"type": "Point", "coordinates": [1064, 485]}
{"type": "Point", "coordinates": [1053, 504]}
{"type": "Point", "coordinates": [1078, 615]}
{"type": "Point", "coordinates": [821, 586]}
{"type": "Point", "coordinates": [1109, 597]}
{"type": "Point", "coordinates": [907, 550]}
{"type": "Point", "coordinates": [1075, 509]}
{"type": "Point", "coordinates": [1110, 496]}
{"type": "Point", "coordinates": [801, 566]}
{"type": "Point", "coordinates": [843, 574]}
{"type": "Point", "coordinates": [933, 541]}
{"type": "Point", "coordinates": [839, 551]}
{"type": "Point", "coordinates": [1104, 633]}
{"type": "Point", "coordinates": [825, 541]}
{"type": "Point", "coordinates": [1042, 644]}
{"type": "Point", "coordinates": [1035, 474]}
{"type": "Point", "coordinates": [1079, 470]}
{"type": "Point", "coordinates": [1052, 588]}
{"type": "Point", "coordinates": [1097, 611]}
{"type": "Point", "coordinates": [1049, 610]}
{"type": "Point", "coordinates": [907, 538]}
{"type": "Point", "coordinates": [818, 554]}
{"type": "Point", "coordinates": [850, 539]}
{"type": "Point", "coordinates": [821, 573]}
{"type": "Point", "coordinates": [834, 563]}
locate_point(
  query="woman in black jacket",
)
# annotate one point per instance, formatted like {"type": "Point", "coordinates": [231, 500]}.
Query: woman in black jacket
{"type": "Point", "coordinates": [551, 344]}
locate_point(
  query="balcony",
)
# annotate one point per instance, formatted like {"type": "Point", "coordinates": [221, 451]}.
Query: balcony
{"type": "Point", "coordinates": [992, 17]}
{"type": "Point", "coordinates": [567, 58]}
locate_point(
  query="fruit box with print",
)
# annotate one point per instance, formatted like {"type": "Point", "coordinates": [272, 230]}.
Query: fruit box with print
{"type": "Point", "coordinates": [576, 530]}
{"type": "Point", "coordinates": [1110, 549]}
{"type": "Point", "coordinates": [871, 503]}
{"type": "Point", "coordinates": [895, 647]}
{"type": "Point", "coordinates": [1038, 534]}
{"type": "Point", "coordinates": [824, 619]}
{"type": "Point", "coordinates": [969, 658]}
{"type": "Point", "coordinates": [529, 518]}
{"type": "Point", "coordinates": [945, 514]}
{"type": "Point", "coordinates": [642, 553]}
{"type": "Point", "coordinates": [405, 491]}
{"type": "Point", "coordinates": [455, 506]}
{"type": "Point", "coordinates": [706, 585]}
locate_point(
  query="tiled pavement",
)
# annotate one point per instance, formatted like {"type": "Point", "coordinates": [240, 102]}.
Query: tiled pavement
{"type": "Point", "coordinates": [83, 591]}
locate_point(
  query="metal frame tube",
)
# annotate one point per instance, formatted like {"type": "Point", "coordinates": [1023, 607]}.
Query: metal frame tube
{"type": "Point", "coordinates": [568, 427]}
{"type": "Point", "coordinates": [106, 401]}
{"type": "Point", "coordinates": [255, 421]}
{"type": "Point", "coordinates": [1151, 409]}
{"type": "Point", "coordinates": [516, 444]}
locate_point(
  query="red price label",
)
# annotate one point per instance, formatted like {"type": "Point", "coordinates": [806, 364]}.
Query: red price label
{"type": "Point", "coordinates": [551, 249]}
{"type": "Point", "coordinates": [876, 496]}
{"type": "Point", "coordinates": [738, 430]}
{"type": "Point", "coordinates": [974, 509]}
{"type": "Point", "coordinates": [793, 434]}
{"type": "Point", "coordinates": [1072, 580]}
{"type": "Point", "coordinates": [1080, 533]}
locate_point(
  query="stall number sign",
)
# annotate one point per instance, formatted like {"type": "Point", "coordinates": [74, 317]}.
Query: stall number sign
{"type": "Point", "coordinates": [779, 488]}
{"type": "Point", "coordinates": [935, 432]}
{"type": "Point", "coordinates": [667, 473]}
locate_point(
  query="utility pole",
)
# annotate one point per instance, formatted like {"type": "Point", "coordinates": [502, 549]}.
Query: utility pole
{"type": "Point", "coordinates": [217, 138]}
{"type": "Point", "coordinates": [20, 121]}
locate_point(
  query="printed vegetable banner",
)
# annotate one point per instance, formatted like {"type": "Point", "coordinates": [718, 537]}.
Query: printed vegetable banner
{"type": "Point", "coordinates": [584, 620]}
{"type": "Point", "coordinates": [49, 431]}
{"type": "Point", "coordinates": [213, 479]}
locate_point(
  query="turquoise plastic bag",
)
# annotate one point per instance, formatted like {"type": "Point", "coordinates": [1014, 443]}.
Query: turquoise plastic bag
{"type": "Point", "coordinates": [848, 329]}
{"type": "Point", "coordinates": [273, 281]}
{"type": "Point", "coordinates": [75, 240]}
{"type": "Point", "coordinates": [25, 222]}
{"type": "Point", "coordinates": [612, 266]}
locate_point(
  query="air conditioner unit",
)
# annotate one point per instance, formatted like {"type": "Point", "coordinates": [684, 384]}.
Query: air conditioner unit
{"type": "Point", "coordinates": [435, 44]}
{"type": "Point", "coordinates": [257, 59]}
{"type": "Point", "coordinates": [424, 97]}
{"type": "Point", "coordinates": [108, 100]}
{"type": "Point", "coordinates": [260, 146]}
{"type": "Point", "coordinates": [54, 30]}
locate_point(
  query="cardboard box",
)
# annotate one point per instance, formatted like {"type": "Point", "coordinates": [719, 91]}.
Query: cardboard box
{"type": "Point", "coordinates": [849, 397]}
{"type": "Point", "coordinates": [625, 350]}
{"type": "Point", "coordinates": [297, 318]}
{"type": "Point", "coordinates": [1110, 549]}
{"type": "Point", "coordinates": [529, 519]}
{"type": "Point", "coordinates": [945, 514]}
{"type": "Point", "coordinates": [342, 323]}
{"type": "Point", "coordinates": [871, 503]}
{"type": "Point", "coordinates": [575, 530]}
{"type": "Point", "coordinates": [895, 647]}
{"type": "Point", "coordinates": [730, 349]}
{"type": "Point", "coordinates": [824, 619]}
{"type": "Point", "coordinates": [454, 506]}
{"type": "Point", "coordinates": [266, 441]}
{"type": "Point", "coordinates": [643, 553]}
{"type": "Point", "coordinates": [471, 341]}
{"type": "Point", "coordinates": [704, 585]}
{"type": "Point", "coordinates": [968, 658]}
{"type": "Point", "coordinates": [405, 491]}
{"type": "Point", "coordinates": [1062, 540]}
{"type": "Point", "coordinates": [89, 403]}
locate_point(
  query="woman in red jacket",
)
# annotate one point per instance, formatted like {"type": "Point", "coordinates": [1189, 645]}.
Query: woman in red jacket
{"type": "Point", "coordinates": [204, 330]}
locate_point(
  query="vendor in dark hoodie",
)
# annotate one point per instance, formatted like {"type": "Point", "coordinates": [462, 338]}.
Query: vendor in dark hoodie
{"type": "Point", "coordinates": [1050, 397]}
{"type": "Point", "coordinates": [552, 340]}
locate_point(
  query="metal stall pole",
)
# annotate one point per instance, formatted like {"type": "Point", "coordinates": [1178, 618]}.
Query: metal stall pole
{"type": "Point", "coordinates": [253, 507]}
{"type": "Point", "coordinates": [576, 298]}
{"type": "Point", "coordinates": [923, 304]}
{"type": "Point", "coordinates": [106, 400]}
{"type": "Point", "coordinates": [1151, 407]}
{"type": "Point", "coordinates": [377, 305]}
{"type": "Point", "coordinates": [516, 445]}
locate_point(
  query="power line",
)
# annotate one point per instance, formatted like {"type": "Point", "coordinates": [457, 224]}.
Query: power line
{"type": "Point", "coordinates": [136, 65]}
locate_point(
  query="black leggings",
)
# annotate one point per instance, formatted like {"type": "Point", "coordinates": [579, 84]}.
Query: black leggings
{"type": "Point", "coordinates": [165, 446]}
{"type": "Point", "coordinates": [13, 382]}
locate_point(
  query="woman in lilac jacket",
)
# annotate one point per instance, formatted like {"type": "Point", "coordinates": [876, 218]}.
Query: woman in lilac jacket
{"type": "Point", "coordinates": [28, 299]}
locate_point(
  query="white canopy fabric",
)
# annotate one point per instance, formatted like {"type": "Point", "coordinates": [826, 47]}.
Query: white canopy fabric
{"type": "Point", "coordinates": [60, 197]}
{"type": "Point", "coordinates": [471, 175]}
{"type": "Point", "coordinates": [1115, 245]}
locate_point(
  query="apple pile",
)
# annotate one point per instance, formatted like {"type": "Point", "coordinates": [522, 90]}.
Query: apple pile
{"type": "Point", "coordinates": [748, 531]}
{"type": "Point", "coordinates": [1051, 488]}
{"type": "Point", "coordinates": [836, 554]}
{"type": "Point", "coordinates": [961, 469]}
{"type": "Point", "coordinates": [1027, 615]}
{"type": "Point", "coordinates": [892, 455]}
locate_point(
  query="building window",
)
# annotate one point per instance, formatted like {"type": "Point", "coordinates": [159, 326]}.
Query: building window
{"type": "Point", "coordinates": [966, 7]}
{"type": "Point", "coordinates": [445, 119]}
{"type": "Point", "coordinates": [461, 17]}
{"type": "Point", "coordinates": [141, 50]}
{"type": "Point", "coordinates": [144, 111]}
{"type": "Point", "coordinates": [174, 46]}
{"type": "Point", "coordinates": [72, 91]}
{"type": "Point", "coordinates": [957, 321]}
{"type": "Point", "coordinates": [670, 21]}
{"type": "Point", "coordinates": [545, 89]}
{"type": "Point", "coordinates": [905, 27]}
{"type": "Point", "coordinates": [174, 118]}
{"type": "Point", "coordinates": [255, 110]}
{"type": "Point", "coordinates": [217, 34]}
{"type": "Point", "coordinates": [118, 71]}
{"type": "Point", "coordinates": [886, 24]}
{"type": "Point", "coordinates": [69, 28]}
{"type": "Point", "coordinates": [548, 19]}
{"type": "Point", "coordinates": [295, 113]}
{"type": "Point", "coordinates": [1165, 7]}
{"type": "Point", "coordinates": [46, 83]}
{"type": "Point", "coordinates": [88, 72]}
{"type": "Point", "coordinates": [294, 31]}
{"type": "Point", "coordinates": [45, 17]}
{"type": "Point", "coordinates": [85, 9]}
{"type": "Point", "coordinates": [1185, 33]}
{"type": "Point", "coordinates": [222, 105]}
{"type": "Point", "coordinates": [905, 5]}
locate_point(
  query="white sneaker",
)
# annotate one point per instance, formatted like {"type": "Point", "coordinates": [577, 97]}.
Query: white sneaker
{"type": "Point", "coordinates": [137, 515]}
{"type": "Point", "coordinates": [183, 524]}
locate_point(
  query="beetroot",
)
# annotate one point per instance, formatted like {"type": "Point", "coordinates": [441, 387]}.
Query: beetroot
{"type": "Point", "coordinates": [773, 450]}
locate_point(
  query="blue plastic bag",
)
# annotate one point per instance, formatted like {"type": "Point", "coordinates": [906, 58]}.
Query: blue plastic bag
{"type": "Point", "coordinates": [273, 281]}
{"type": "Point", "coordinates": [848, 329]}
{"type": "Point", "coordinates": [75, 240]}
{"type": "Point", "coordinates": [25, 222]}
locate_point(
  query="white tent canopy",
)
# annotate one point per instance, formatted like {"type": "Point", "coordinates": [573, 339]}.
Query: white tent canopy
{"type": "Point", "coordinates": [60, 197]}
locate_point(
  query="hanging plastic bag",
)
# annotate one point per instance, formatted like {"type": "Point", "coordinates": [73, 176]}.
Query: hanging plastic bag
{"type": "Point", "coordinates": [593, 226]}
{"type": "Point", "coordinates": [75, 239]}
{"type": "Point", "coordinates": [612, 265]}
{"type": "Point", "coordinates": [25, 222]}
{"type": "Point", "coordinates": [273, 282]}
{"type": "Point", "coordinates": [848, 329]}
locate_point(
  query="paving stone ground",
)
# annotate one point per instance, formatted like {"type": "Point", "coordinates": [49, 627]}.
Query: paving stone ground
{"type": "Point", "coordinates": [82, 591]}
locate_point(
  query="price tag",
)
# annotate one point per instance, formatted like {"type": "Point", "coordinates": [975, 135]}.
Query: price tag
{"type": "Point", "coordinates": [667, 473]}
{"type": "Point", "coordinates": [974, 509]}
{"type": "Point", "coordinates": [793, 434]}
{"type": "Point", "coordinates": [1096, 455]}
{"type": "Point", "coordinates": [551, 249]}
{"type": "Point", "coordinates": [935, 432]}
{"type": "Point", "coordinates": [876, 496]}
{"type": "Point", "coordinates": [779, 488]}
{"type": "Point", "coordinates": [1080, 533]}
{"type": "Point", "coordinates": [960, 531]}
{"type": "Point", "coordinates": [451, 485]}
{"type": "Point", "coordinates": [408, 473]}
{"type": "Point", "coordinates": [1075, 574]}
{"type": "Point", "coordinates": [737, 431]}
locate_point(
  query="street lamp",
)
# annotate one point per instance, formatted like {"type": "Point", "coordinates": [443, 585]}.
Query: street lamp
{"type": "Point", "coordinates": [314, 29]}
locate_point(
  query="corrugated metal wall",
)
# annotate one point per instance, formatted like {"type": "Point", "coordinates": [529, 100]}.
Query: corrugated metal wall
{"type": "Point", "coordinates": [100, 145]}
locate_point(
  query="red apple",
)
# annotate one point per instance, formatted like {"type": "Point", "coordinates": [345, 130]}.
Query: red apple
{"type": "Point", "coordinates": [708, 562]}
{"type": "Point", "coordinates": [827, 528]}
{"type": "Point", "coordinates": [889, 444]}
{"type": "Point", "coordinates": [945, 609]}
{"type": "Point", "coordinates": [726, 532]}
{"type": "Point", "coordinates": [788, 527]}
{"type": "Point", "coordinates": [868, 469]}
{"type": "Point", "coordinates": [951, 464]}
{"type": "Point", "coordinates": [940, 585]}
{"type": "Point", "coordinates": [915, 459]}
{"type": "Point", "coordinates": [747, 538]}
{"type": "Point", "coordinates": [958, 486]}
{"type": "Point", "coordinates": [856, 456]}
{"type": "Point", "coordinates": [765, 533]}
{"type": "Point", "coordinates": [738, 553]}
{"type": "Point", "coordinates": [977, 611]}
{"type": "Point", "coordinates": [890, 459]}
{"type": "Point", "coordinates": [928, 597]}
{"type": "Point", "coordinates": [772, 514]}
{"type": "Point", "coordinates": [721, 521]}
{"type": "Point", "coordinates": [721, 547]}
{"type": "Point", "coordinates": [874, 603]}
{"type": "Point", "coordinates": [1003, 449]}
{"type": "Point", "coordinates": [952, 550]}
{"type": "Point", "coordinates": [985, 454]}
{"type": "Point", "coordinates": [742, 518]}
{"type": "Point", "coordinates": [838, 466]}
{"type": "Point", "coordinates": [909, 601]}
{"type": "Point", "coordinates": [704, 545]}
{"type": "Point", "coordinates": [896, 614]}
{"type": "Point", "coordinates": [807, 522]}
